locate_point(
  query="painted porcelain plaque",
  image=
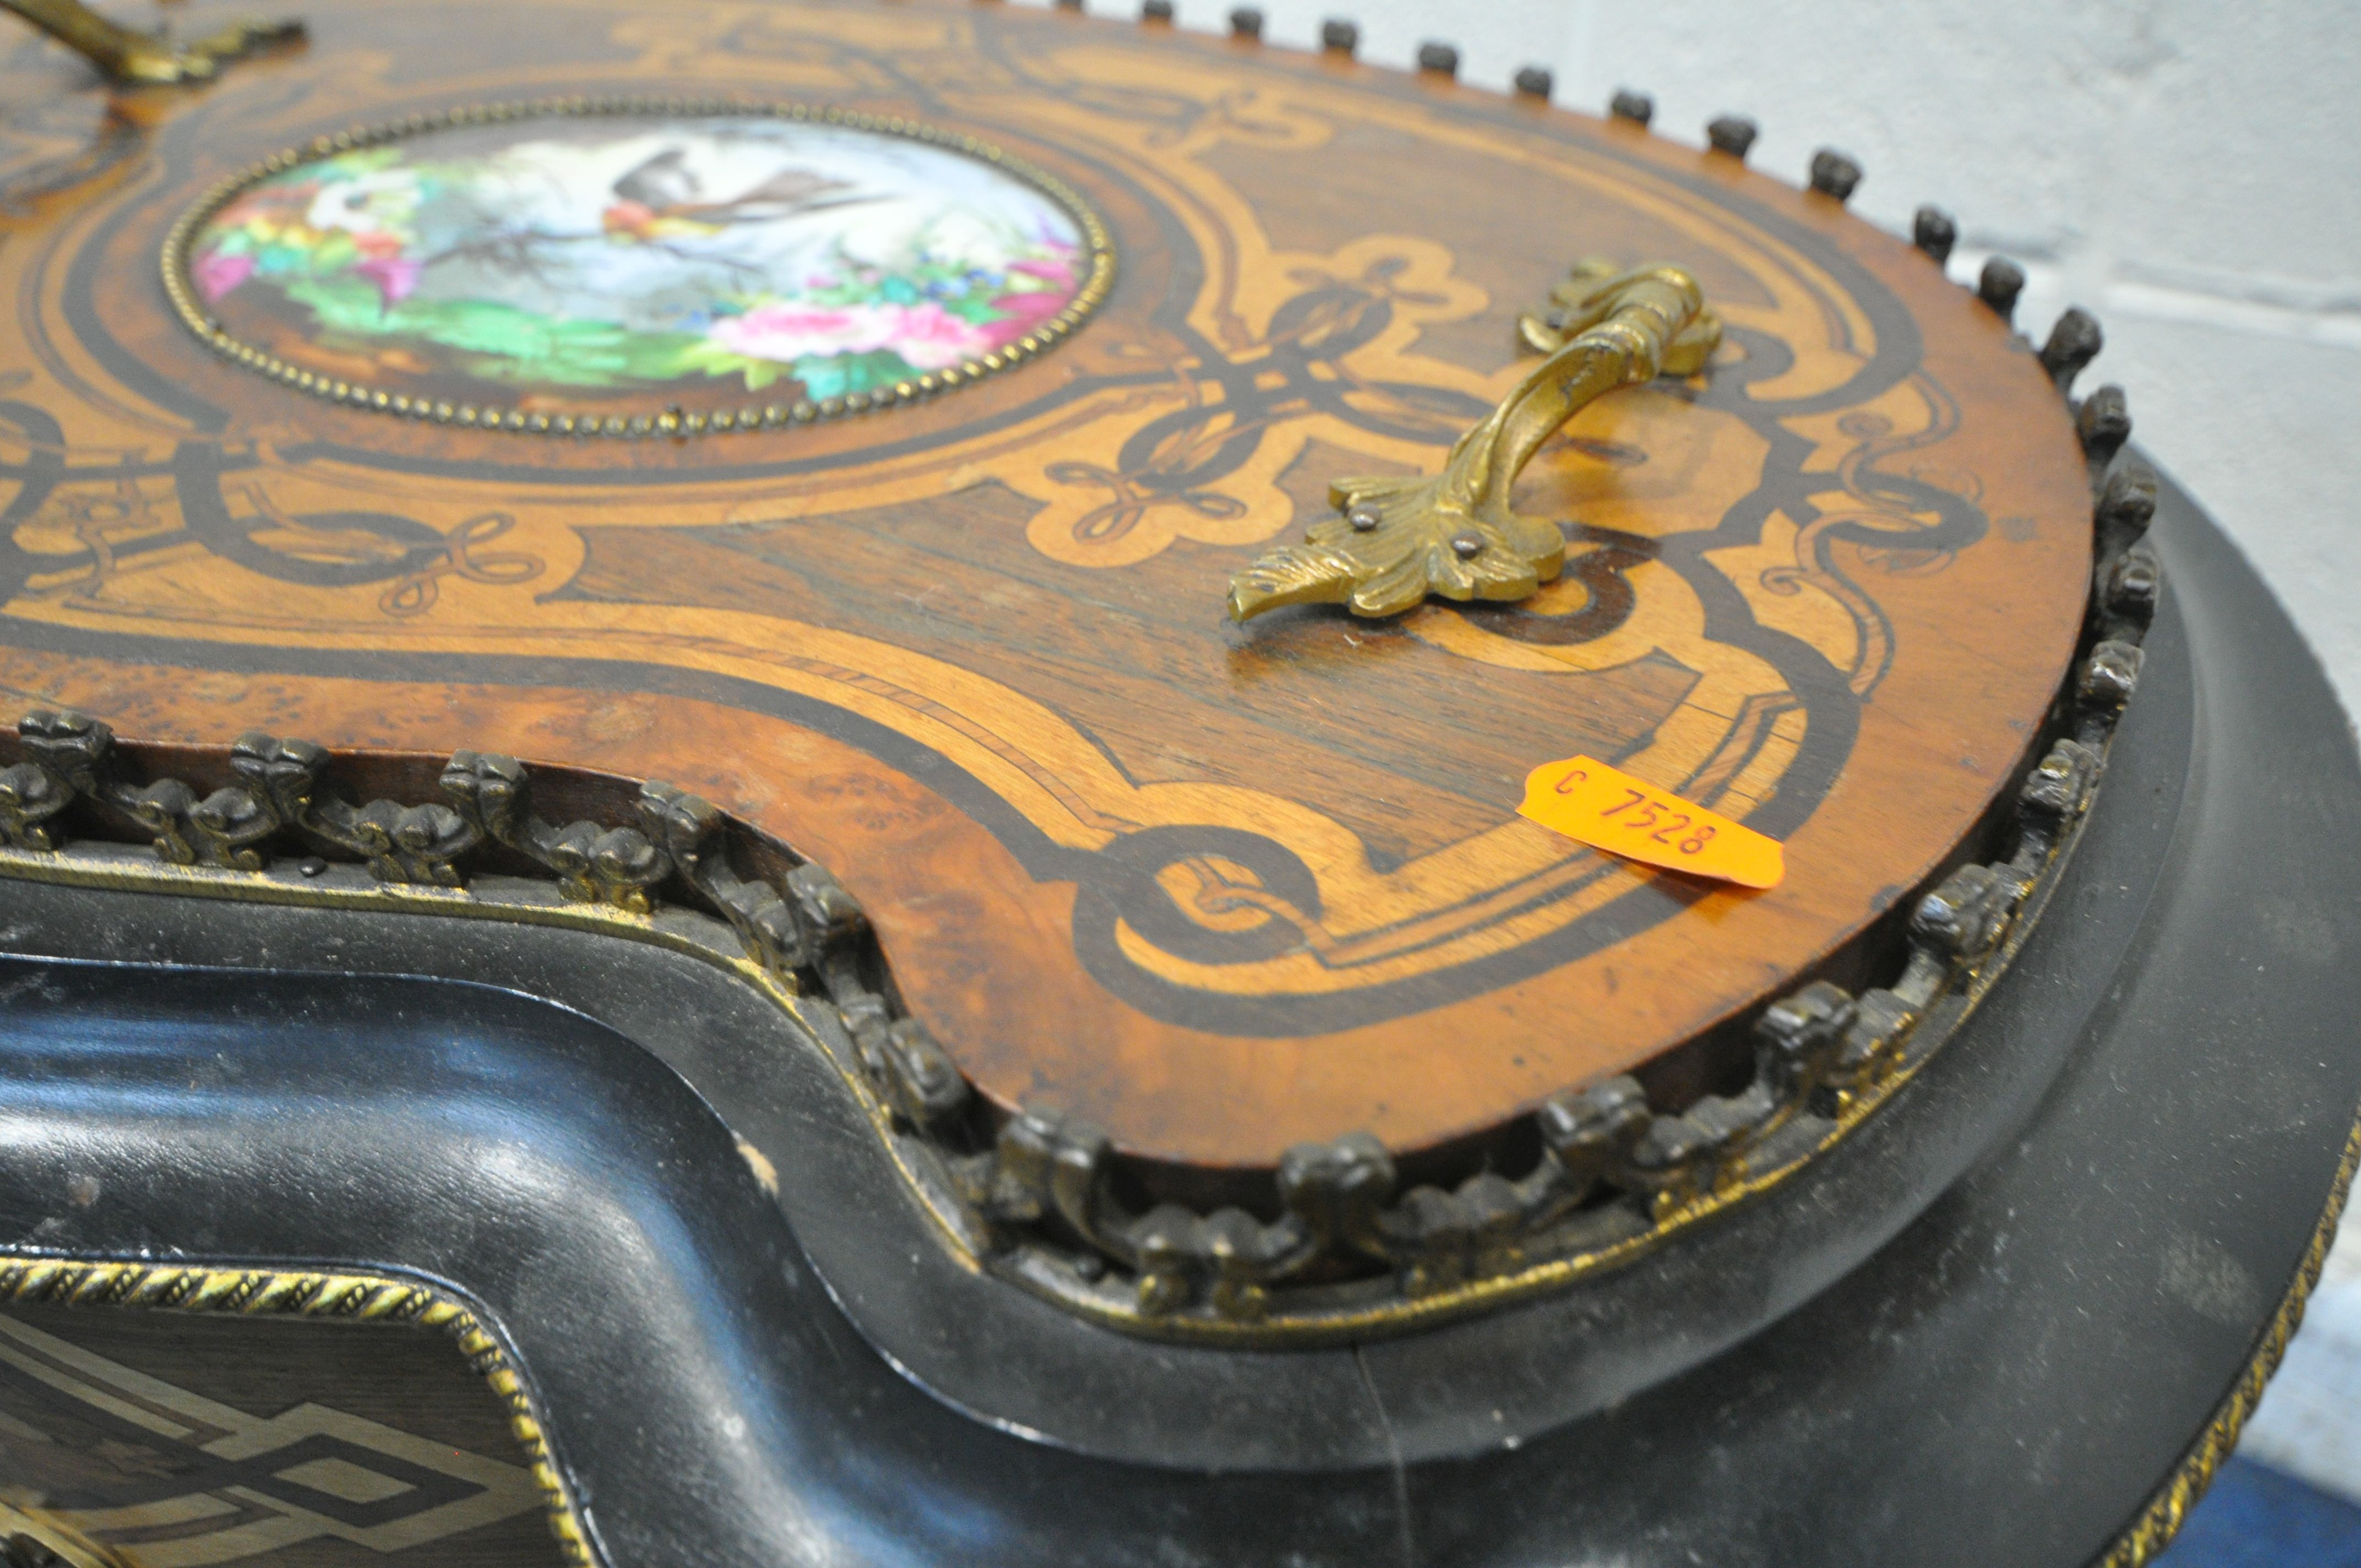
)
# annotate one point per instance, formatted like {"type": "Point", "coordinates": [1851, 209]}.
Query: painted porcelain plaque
{"type": "Point", "coordinates": [568, 261]}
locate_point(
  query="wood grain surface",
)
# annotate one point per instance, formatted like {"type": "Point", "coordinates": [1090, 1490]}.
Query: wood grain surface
{"type": "Point", "coordinates": [1219, 889]}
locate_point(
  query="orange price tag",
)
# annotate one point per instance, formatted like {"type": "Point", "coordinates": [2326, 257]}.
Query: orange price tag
{"type": "Point", "coordinates": [1608, 809]}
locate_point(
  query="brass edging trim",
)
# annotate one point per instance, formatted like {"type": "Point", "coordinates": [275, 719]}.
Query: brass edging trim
{"type": "Point", "coordinates": [45, 1280]}
{"type": "Point", "coordinates": [63, 1280]}
{"type": "Point", "coordinates": [2147, 1535]}
{"type": "Point", "coordinates": [668, 420]}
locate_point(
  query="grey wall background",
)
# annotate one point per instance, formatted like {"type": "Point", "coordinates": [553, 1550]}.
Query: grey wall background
{"type": "Point", "coordinates": [2189, 171]}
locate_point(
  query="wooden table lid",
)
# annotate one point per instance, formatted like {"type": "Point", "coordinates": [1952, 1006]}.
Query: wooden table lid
{"type": "Point", "coordinates": [933, 595]}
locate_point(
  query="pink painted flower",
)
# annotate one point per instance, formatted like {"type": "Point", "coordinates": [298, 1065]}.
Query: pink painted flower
{"type": "Point", "coordinates": [1021, 313]}
{"type": "Point", "coordinates": [395, 276]}
{"type": "Point", "coordinates": [787, 333]}
{"type": "Point", "coordinates": [217, 274]}
{"type": "Point", "coordinates": [931, 338]}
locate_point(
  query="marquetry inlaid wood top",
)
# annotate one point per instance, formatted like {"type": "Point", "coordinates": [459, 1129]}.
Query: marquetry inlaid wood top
{"type": "Point", "coordinates": [1218, 888]}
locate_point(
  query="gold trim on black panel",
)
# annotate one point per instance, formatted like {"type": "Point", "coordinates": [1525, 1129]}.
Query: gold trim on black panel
{"type": "Point", "coordinates": [352, 1298]}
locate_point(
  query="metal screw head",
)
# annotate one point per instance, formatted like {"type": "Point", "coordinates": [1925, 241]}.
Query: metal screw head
{"type": "Point", "coordinates": [1467, 544]}
{"type": "Point", "coordinates": [1362, 516]}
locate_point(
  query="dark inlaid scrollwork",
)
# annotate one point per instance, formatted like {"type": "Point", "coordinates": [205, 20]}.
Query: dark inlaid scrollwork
{"type": "Point", "coordinates": [1613, 1169]}
{"type": "Point", "coordinates": [1041, 1189]}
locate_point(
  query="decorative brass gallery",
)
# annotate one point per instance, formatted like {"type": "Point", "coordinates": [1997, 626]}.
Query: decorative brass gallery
{"type": "Point", "coordinates": [1399, 540]}
{"type": "Point", "coordinates": [1035, 1196]}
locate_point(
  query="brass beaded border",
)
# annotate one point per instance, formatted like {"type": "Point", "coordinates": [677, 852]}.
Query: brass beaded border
{"type": "Point", "coordinates": [670, 421]}
{"type": "Point", "coordinates": [55, 1279]}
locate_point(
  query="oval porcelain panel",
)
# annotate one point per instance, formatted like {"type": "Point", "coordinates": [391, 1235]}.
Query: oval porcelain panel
{"type": "Point", "coordinates": [571, 261]}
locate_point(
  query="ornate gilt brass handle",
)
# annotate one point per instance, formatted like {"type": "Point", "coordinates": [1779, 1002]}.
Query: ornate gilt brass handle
{"type": "Point", "coordinates": [127, 56]}
{"type": "Point", "coordinates": [1397, 540]}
